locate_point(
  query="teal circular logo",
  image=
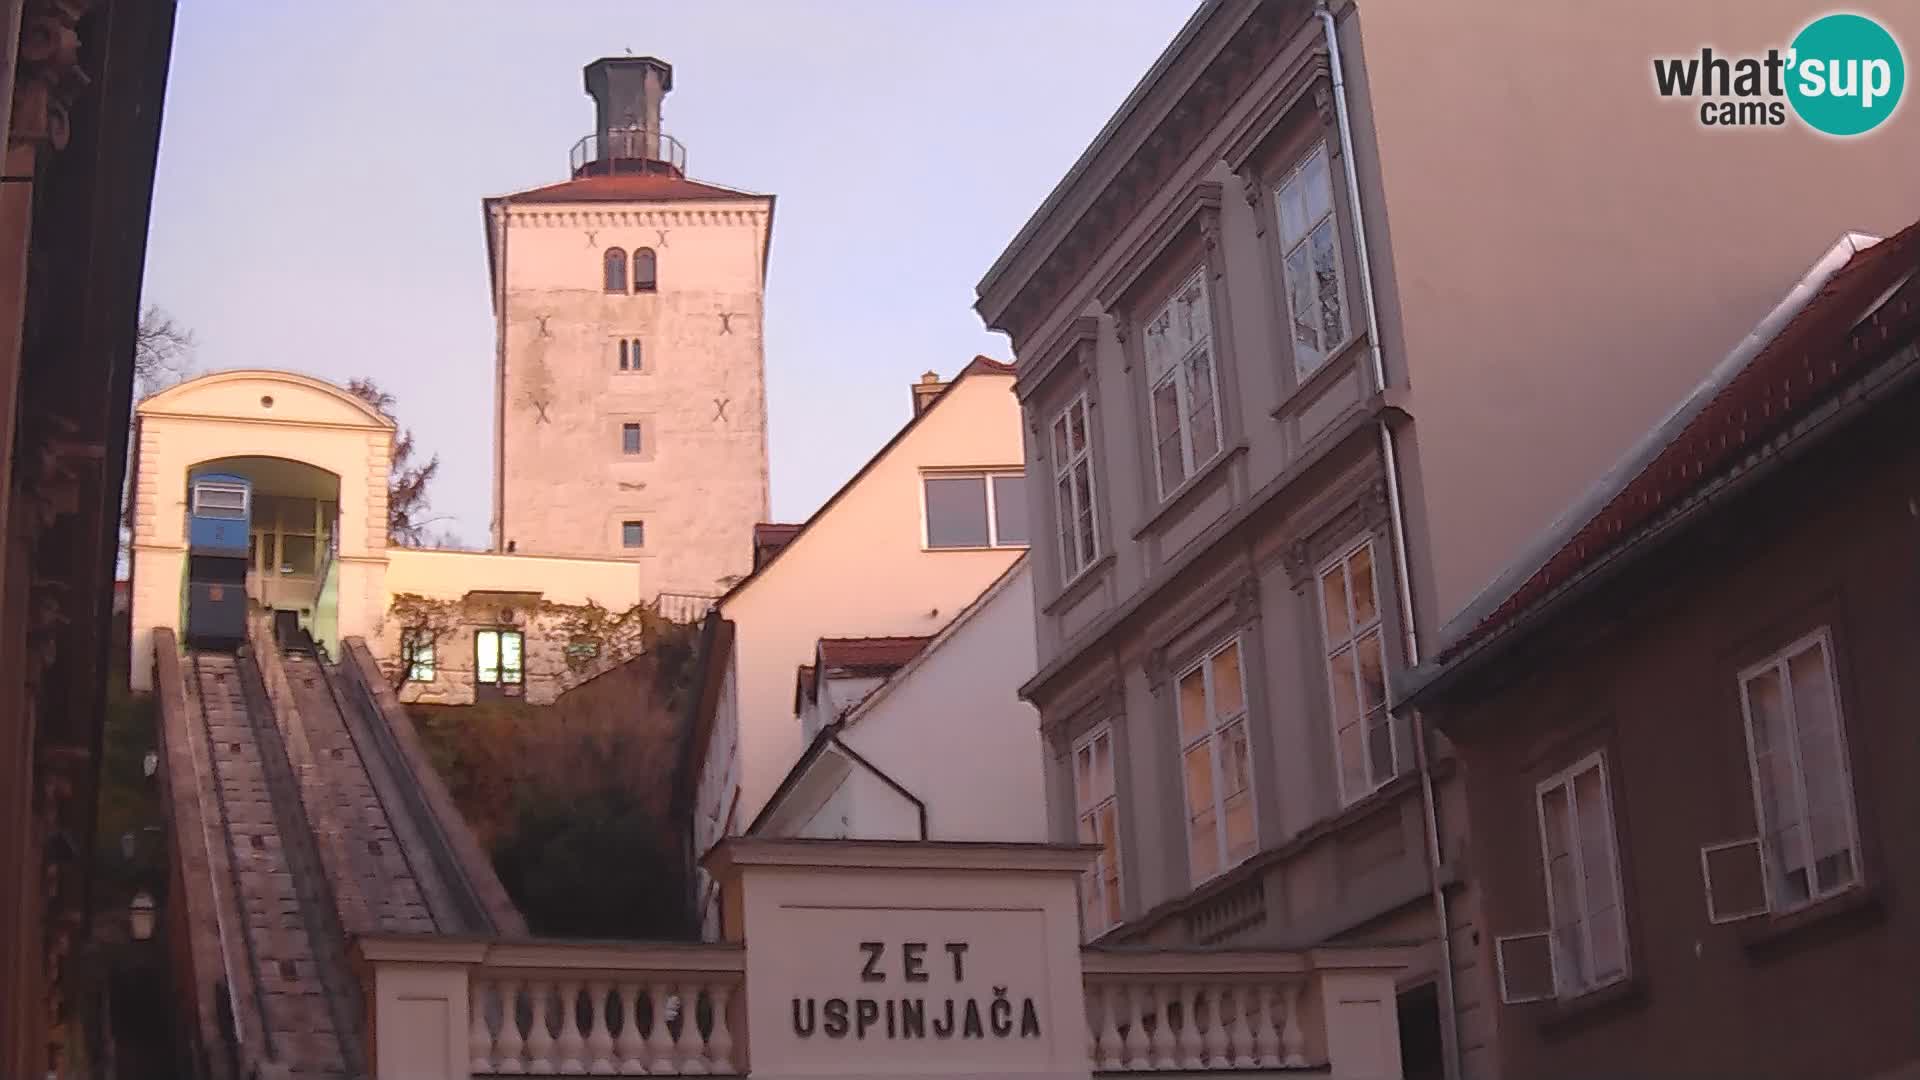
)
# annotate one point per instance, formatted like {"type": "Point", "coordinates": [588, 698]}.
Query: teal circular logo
{"type": "Point", "coordinates": [1845, 74]}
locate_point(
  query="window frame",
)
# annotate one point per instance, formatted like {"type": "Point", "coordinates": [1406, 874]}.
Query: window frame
{"type": "Point", "coordinates": [411, 663]}
{"type": "Point", "coordinates": [1283, 248]}
{"type": "Point", "coordinates": [1778, 661]}
{"type": "Point", "coordinates": [986, 476]}
{"type": "Point", "coordinates": [499, 635]}
{"type": "Point", "coordinates": [1192, 464]}
{"type": "Point", "coordinates": [610, 259]}
{"type": "Point", "coordinates": [644, 256]}
{"type": "Point", "coordinates": [1329, 650]}
{"type": "Point", "coordinates": [1074, 561]}
{"type": "Point", "coordinates": [1112, 897]}
{"type": "Point", "coordinates": [630, 355]}
{"type": "Point", "coordinates": [639, 446]}
{"type": "Point", "coordinates": [640, 526]}
{"type": "Point", "coordinates": [1216, 727]}
{"type": "Point", "coordinates": [243, 512]}
{"type": "Point", "coordinates": [1565, 778]}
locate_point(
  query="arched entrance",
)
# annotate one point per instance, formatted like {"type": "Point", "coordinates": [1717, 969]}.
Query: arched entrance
{"type": "Point", "coordinates": [293, 539]}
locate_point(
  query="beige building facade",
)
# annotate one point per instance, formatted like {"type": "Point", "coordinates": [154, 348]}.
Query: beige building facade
{"type": "Point", "coordinates": [630, 404]}
{"type": "Point", "coordinates": [1303, 371]}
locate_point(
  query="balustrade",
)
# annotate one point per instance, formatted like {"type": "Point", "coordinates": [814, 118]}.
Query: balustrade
{"type": "Point", "coordinates": [602, 1024]}
{"type": "Point", "coordinates": [1196, 1012]}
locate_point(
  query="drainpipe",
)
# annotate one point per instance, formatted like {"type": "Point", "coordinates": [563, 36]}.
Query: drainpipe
{"type": "Point", "coordinates": [1397, 524]}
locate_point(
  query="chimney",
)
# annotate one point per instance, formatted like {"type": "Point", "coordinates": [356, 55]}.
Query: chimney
{"type": "Point", "coordinates": [626, 92]}
{"type": "Point", "coordinates": [925, 391]}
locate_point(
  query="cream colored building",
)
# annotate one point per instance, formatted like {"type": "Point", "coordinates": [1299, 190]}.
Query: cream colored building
{"type": "Point", "coordinates": [630, 404]}
{"type": "Point", "coordinates": [911, 540]}
{"type": "Point", "coordinates": [317, 458]}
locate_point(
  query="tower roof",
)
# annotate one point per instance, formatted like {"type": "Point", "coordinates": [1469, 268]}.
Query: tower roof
{"type": "Point", "coordinates": [628, 187]}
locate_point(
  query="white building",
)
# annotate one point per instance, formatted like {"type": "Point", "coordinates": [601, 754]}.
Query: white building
{"type": "Point", "coordinates": [912, 539]}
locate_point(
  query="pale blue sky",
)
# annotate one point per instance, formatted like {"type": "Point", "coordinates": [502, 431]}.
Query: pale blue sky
{"type": "Point", "coordinates": [322, 165]}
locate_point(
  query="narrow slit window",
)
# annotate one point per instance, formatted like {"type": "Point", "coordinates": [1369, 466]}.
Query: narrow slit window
{"type": "Point", "coordinates": [629, 349]}
{"type": "Point", "coordinates": [630, 438]}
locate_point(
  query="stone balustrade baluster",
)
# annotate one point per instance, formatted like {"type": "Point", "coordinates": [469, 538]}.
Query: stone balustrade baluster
{"type": "Point", "coordinates": [660, 1043]}
{"type": "Point", "coordinates": [539, 1035]}
{"type": "Point", "coordinates": [1266, 1041]}
{"type": "Point", "coordinates": [1239, 1032]}
{"type": "Point", "coordinates": [479, 1038]}
{"type": "Point", "coordinates": [1107, 1045]}
{"type": "Point", "coordinates": [690, 1048]}
{"type": "Point", "coordinates": [599, 1029]}
{"type": "Point", "coordinates": [1293, 1041]}
{"type": "Point", "coordinates": [720, 1043]}
{"type": "Point", "coordinates": [570, 1049]}
{"type": "Point", "coordinates": [631, 1047]}
{"type": "Point", "coordinates": [1216, 1034]}
{"type": "Point", "coordinates": [509, 1048]}
{"type": "Point", "coordinates": [1190, 1041]}
{"type": "Point", "coordinates": [1164, 1044]}
{"type": "Point", "coordinates": [1139, 1049]}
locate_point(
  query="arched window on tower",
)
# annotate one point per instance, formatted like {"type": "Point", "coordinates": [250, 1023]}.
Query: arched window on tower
{"type": "Point", "coordinates": [616, 268]}
{"type": "Point", "coordinates": [644, 270]}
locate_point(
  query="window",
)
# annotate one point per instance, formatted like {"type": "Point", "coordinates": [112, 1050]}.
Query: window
{"type": "Point", "coordinates": [1216, 763]}
{"type": "Point", "coordinates": [616, 270]}
{"type": "Point", "coordinates": [1180, 369]}
{"type": "Point", "coordinates": [1097, 805]}
{"type": "Point", "coordinates": [633, 534]}
{"type": "Point", "coordinates": [976, 510]}
{"type": "Point", "coordinates": [629, 354]}
{"type": "Point", "coordinates": [629, 438]}
{"type": "Point", "coordinates": [1588, 938]}
{"type": "Point", "coordinates": [216, 500]}
{"type": "Point", "coordinates": [1802, 783]}
{"type": "Point", "coordinates": [1073, 489]}
{"type": "Point", "coordinates": [416, 654]}
{"type": "Point", "coordinates": [497, 657]}
{"type": "Point", "coordinates": [645, 270]}
{"type": "Point", "coordinates": [1310, 261]}
{"type": "Point", "coordinates": [1365, 735]}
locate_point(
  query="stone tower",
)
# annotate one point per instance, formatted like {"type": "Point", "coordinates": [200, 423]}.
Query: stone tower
{"type": "Point", "coordinates": [630, 405]}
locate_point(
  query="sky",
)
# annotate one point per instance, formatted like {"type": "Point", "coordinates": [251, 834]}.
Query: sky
{"type": "Point", "coordinates": [322, 162]}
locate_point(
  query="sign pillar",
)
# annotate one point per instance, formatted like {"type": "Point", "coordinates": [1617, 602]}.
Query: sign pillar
{"type": "Point", "coordinates": [911, 961]}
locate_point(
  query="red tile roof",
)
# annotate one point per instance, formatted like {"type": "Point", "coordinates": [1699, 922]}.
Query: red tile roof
{"type": "Point", "coordinates": [1813, 355]}
{"type": "Point", "coordinates": [628, 187]}
{"type": "Point", "coordinates": [769, 538]}
{"type": "Point", "coordinates": [869, 655]}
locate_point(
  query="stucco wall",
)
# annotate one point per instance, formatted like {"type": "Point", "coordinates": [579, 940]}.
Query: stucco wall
{"type": "Point", "coordinates": [449, 575]}
{"type": "Point", "coordinates": [952, 729]}
{"type": "Point", "coordinates": [858, 569]}
{"type": "Point", "coordinates": [700, 482]}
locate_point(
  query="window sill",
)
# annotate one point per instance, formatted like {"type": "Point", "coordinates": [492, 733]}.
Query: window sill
{"type": "Point", "coordinates": [1565, 1015]}
{"type": "Point", "coordinates": [1765, 936]}
{"type": "Point", "coordinates": [1080, 585]}
{"type": "Point", "coordinates": [1339, 363]}
{"type": "Point", "coordinates": [1181, 495]}
{"type": "Point", "coordinates": [974, 547]}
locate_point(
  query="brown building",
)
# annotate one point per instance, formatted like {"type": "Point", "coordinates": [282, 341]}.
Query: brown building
{"type": "Point", "coordinates": [1686, 720]}
{"type": "Point", "coordinates": [82, 127]}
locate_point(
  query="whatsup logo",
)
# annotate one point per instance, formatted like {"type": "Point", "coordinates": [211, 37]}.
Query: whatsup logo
{"type": "Point", "coordinates": [1842, 75]}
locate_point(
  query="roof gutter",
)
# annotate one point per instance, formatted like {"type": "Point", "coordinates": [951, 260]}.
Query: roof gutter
{"type": "Point", "coordinates": [1390, 465]}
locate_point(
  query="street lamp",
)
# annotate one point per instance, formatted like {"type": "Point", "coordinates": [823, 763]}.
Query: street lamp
{"type": "Point", "coordinates": [141, 915]}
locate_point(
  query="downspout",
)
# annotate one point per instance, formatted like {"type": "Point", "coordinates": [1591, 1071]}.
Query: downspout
{"type": "Point", "coordinates": [1398, 526]}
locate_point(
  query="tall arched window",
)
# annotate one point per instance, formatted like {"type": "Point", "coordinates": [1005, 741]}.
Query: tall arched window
{"type": "Point", "coordinates": [644, 270]}
{"type": "Point", "coordinates": [616, 267]}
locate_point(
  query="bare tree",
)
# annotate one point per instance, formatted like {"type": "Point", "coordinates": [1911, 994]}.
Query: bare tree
{"type": "Point", "coordinates": [407, 479]}
{"type": "Point", "coordinates": [162, 352]}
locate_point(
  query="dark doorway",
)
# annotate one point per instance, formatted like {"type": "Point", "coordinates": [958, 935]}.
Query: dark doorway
{"type": "Point", "coordinates": [1421, 1055]}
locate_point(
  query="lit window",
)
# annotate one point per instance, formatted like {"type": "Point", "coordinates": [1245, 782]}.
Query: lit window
{"type": "Point", "coordinates": [1216, 762]}
{"type": "Point", "coordinates": [497, 657]}
{"type": "Point", "coordinates": [644, 270]}
{"type": "Point", "coordinates": [416, 654]}
{"type": "Point", "coordinates": [1097, 806]}
{"type": "Point", "coordinates": [633, 534]}
{"type": "Point", "coordinates": [1310, 257]}
{"type": "Point", "coordinates": [616, 270]}
{"type": "Point", "coordinates": [629, 354]}
{"type": "Point", "coordinates": [1802, 781]}
{"type": "Point", "coordinates": [629, 438]}
{"type": "Point", "coordinates": [1185, 392]}
{"type": "Point", "coordinates": [976, 510]}
{"type": "Point", "coordinates": [1366, 737]}
{"type": "Point", "coordinates": [1588, 938]}
{"type": "Point", "coordinates": [1073, 489]}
